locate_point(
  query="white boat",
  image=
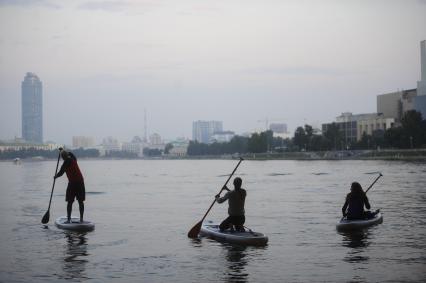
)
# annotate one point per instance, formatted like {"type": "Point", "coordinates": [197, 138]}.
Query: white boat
{"type": "Point", "coordinates": [246, 238]}
{"type": "Point", "coordinates": [345, 224]}
{"type": "Point", "coordinates": [74, 224]}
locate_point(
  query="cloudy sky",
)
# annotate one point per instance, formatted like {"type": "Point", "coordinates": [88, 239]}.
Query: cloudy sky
{"type": "Point", "coordinates": [239, 61]}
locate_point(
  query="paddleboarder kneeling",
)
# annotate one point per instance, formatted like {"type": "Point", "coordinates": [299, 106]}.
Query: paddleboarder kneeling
{"type": "Point", "coordinates": [236, 199]}
{"type": "Point", "coordinates": [75, 189]}
{"type": "Point", "coordinates": [353, 208]}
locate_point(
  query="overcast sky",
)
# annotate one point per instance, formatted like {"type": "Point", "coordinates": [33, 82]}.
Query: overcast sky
{"type": "Point", "coordinates": [103, 62]}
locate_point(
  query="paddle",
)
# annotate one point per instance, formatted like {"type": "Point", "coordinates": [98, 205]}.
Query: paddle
{"type": "Point", "coordinates": [378, 177]}
{"type": "Point", "coordinates": [193, 233]}
{"type": "Point", "coordinates": [47, 214]}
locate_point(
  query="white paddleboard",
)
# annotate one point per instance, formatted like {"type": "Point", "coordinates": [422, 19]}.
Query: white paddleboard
{"type": "Point", "coordinates": [346, 225]}
{"type": "Point", "coordinates": [75, 224]}
{"type": "Point", "coordinates": [247, 238]}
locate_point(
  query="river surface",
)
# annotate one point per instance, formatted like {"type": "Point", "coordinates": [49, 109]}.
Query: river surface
{"type": "Point", "coordinates": [143, 210]}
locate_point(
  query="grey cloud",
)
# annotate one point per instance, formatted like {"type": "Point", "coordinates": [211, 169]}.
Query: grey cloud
{"type": "Point", "coordinates": [108, 6]}
{"type": "Point", "coordinates": [56, 37]}
{"type": "Point", "coordinates": [30, 3]}
{"type": "Point", "coordinates": [305, 71]}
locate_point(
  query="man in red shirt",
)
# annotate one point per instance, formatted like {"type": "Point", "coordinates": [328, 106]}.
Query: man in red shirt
{"type": "Point", "coordinates": [75, 189]}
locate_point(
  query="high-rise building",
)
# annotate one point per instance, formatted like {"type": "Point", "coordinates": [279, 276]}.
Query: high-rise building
{"type": "Point", "coordinates": [155, 139]}
{"type": "Point", "coordinates": [421, 85]}
{"type": "Point", "coordinates": [135, 146]}
{"type": "Point", "coordinates": [32, 109]}
{"type": "Point", "coordinates": [82, 142]}
{"type": "Point", "coordinates": [395, 104]}
{"type": "Point", "coordinates": [353, 127]}
{"type": "Point", "coordinates": [202, 131]}
{"type": "Point", "coordinates": [225, 136]}
{"type": "Point", "coordinates": [111, 144]}
{"type": "Point", "coordinates": [279, 128]}
{"type": "Point", "coordinates": [420, 100]}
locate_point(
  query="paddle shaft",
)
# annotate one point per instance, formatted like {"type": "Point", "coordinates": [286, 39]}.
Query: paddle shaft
{"type": "Point", "coordinates": [378, 177]}
{"type": "Point", "coordinates": [54, 179]}
{"type": "Point", "coordinates": [230, 176]}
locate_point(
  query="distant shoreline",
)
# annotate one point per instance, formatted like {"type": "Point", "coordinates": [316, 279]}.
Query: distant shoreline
{"type": "Point", "coordinates": [388, 155]}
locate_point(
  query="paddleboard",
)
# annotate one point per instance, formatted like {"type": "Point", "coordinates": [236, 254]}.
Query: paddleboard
{"type": "Point", "coordinates": [345, 224]}
{"type": "Point", "coordinates": [247, 238]}
{"type": "Point", "coordinates": [75, 224]}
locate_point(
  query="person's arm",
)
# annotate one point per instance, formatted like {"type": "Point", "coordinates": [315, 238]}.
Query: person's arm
{"type": "Point", "coordinates": [345, 206]}
{"type": "Point", "coordinates": [64, 167]}
{"type": "Point", "coordinates": [367, 203]}
{"type": "Point", "coordinates": [226, 188]}
{"type": "Point", "coordinates": [222, 199]}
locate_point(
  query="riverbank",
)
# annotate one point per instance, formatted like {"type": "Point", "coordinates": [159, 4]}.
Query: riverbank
{"type": "Point", "coordinates": [403, 155]}
{"type": "Point", "coordinates": [388, 154]}
{"type": "Point", "coordinates": [406, 155]}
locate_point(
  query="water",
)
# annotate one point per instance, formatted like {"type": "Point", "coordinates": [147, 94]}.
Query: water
{"type": "Point", "coordinates": [144, 209]}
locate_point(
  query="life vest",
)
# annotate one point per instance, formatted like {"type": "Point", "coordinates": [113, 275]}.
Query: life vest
{"type": "Point", "coordinates": [73, 172]}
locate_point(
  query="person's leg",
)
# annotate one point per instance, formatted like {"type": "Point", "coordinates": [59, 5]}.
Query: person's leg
{"type": "Point", "coordinates": [225, 224]}
{"type": "Point", "coordinates": [81, 197]}
{"type": "Point", "coordinates": [69, 210]}
{"type": "Point", "coordinates": [81, 206]}
{"type": "Point", "coordinates": [238, 222]}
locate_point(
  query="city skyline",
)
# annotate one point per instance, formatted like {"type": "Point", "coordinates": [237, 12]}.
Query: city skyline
{"type": "Point", "coordinates": [237, 62]}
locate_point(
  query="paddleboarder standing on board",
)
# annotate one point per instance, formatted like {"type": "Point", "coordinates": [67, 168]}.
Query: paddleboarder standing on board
{"type": "Point", "coordinates": [236, 199]}
{"type": "Point", "coordinates": [75, 189]}
{"type": "Point", "coordinates": [353, 208]}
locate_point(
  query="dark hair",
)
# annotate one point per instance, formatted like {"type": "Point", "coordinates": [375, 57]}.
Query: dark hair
{"type": "Point", "coordinates": [238, 182]}
{"type": "Point", "coordinates": [356, 188]}
{"type": "Point", "coordinates": [64, 154]}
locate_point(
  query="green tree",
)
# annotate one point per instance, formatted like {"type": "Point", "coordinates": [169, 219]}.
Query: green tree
{"type": "Point", "coordinates": [333, 135]}
{"type": "Point", "coordinates": [393, 137]}
{"type": "Point", "coordinates": [167, 148]}
{"type": "Point", "coordinates": [411, 133]}
{"type": "Point", "coordinates": [152, 152]}
{"type": "Point", "coordinates": [238, 144]}
{"type": "Point", "coordinates": [256, 143]}
{"type": "Point", "coordinates": [413, 129]}
{"type": "Point", "coordinates": [300, 138]}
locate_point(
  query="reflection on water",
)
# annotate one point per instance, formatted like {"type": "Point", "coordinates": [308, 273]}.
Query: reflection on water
{"type": "Point", "coordinates": [357, 242]}
{"type": "Point", "coordinates": [74, 259]}
{"type": "Point", "coordinates": [237, 261]}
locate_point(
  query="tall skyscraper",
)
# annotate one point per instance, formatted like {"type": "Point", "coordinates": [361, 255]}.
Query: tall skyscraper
{"type": "Point", "coordinates": [32, 109]}
{"type": "Point", "coordinates": [202, 131]}
{"type": "Point", "coordinates": [421, 85]}
{"type": "Point", "coordinates": [420, 100]}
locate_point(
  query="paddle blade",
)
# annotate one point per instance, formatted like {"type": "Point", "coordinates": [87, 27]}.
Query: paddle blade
{"type": "Point", "coordinates": [45, 217]}
{"type": "Point", "coordinates": [193, 233]}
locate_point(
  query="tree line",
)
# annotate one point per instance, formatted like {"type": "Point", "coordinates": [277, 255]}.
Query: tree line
{"type": "Point", "coordinates": [256, 143]}
{"type": "Point", "coordinates": [410, 134]}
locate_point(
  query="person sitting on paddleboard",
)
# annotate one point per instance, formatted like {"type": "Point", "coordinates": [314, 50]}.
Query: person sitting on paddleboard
{"type": "Point", "coordinates": [354, 205]}
{"type": "Point", "coordinates": [75, 189]}
{"type": "Point", "coordinates": [236, 199]}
